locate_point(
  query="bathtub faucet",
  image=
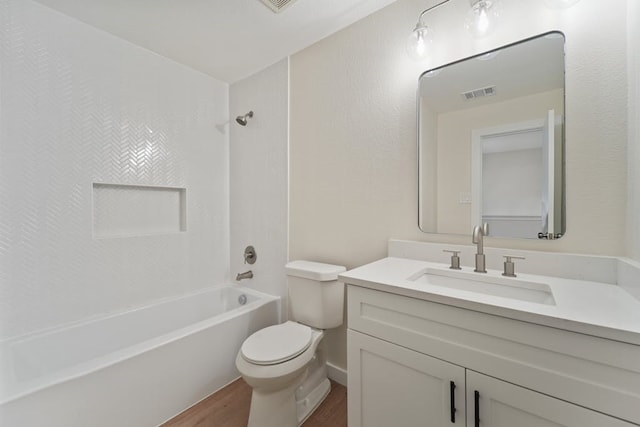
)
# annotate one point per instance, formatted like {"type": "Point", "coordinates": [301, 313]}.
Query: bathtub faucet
{"type": "Point", "coordinates": [245, 275]}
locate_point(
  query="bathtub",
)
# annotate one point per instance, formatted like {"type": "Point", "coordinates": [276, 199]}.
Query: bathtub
{"type": "Point", "coordinates": [137, 368]}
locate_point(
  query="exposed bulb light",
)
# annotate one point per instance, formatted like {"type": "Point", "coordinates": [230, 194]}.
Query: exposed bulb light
{"type": "Point", "coordinates": [482, 17]}
{"type": "Point", "coordinates": [419, 41]}
{"type": "Point", "coordinates": [421, 38]}
{"type": "Point", "coordinates": [560, 4]}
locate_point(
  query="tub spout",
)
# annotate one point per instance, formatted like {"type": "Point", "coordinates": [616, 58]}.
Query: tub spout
{"type": "Point", "coordinates": [245, 275]}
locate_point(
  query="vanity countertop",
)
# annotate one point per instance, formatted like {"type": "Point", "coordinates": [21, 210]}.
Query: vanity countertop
{"type": "Point", "coordinates": [599, 309]}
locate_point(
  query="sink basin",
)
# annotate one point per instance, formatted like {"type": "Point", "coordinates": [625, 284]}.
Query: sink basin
{"type": "Point", "coordinates": [480, 283]}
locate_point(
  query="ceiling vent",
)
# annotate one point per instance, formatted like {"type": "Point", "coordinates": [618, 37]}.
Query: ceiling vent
{"type": "Point", "coordinates": [277, 5]}
{"type": "Point", "coordinates": [479, 93]}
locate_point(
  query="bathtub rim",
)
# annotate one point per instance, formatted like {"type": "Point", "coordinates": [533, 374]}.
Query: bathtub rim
{"type": "Point", "coordinates": [110, 314]}
{"type": "Point", "coordinates": [110, 359]}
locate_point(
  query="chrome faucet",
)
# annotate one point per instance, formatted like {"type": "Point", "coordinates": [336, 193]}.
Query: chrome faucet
{"type": "Point", "coordinates": [478, 234]}
{"type": "Point", "coordinates": [245, 275]}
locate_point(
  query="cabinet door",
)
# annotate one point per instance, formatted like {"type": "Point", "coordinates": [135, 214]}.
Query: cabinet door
{"type": "Point", "coordinates": [495, 403]}
{"type": "Point", "coordinates": [391, 385]}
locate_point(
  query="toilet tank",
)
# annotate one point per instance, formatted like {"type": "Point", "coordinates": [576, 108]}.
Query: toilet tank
{"type": "Point", "coordinates": [316, 298]}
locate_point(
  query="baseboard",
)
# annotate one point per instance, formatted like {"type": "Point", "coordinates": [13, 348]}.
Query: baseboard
{"type": "Point", "coordinates": [337, 374]}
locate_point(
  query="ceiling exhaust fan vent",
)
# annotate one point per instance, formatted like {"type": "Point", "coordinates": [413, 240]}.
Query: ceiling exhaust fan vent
{"type": "Point", "coordinates": [277, 5]}
{"type": "Point", "coordinates": [479, 93]}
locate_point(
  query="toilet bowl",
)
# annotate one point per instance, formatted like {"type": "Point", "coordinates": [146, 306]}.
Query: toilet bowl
{"type": "Point", "coordinates": [284, 364]}
{"type": "Point", "coordinates": [273, 402]}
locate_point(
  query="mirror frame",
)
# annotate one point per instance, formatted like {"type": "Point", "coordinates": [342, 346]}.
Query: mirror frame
{"type": "Point", "coordinates": [562, 164]}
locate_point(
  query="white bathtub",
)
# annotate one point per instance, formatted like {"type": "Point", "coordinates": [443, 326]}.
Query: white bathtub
{"type": "Point", "coordinates": [137, 368]}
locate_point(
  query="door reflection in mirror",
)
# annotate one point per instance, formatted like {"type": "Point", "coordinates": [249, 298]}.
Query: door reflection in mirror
{"type": "Point", "coordinates": [513, 166]}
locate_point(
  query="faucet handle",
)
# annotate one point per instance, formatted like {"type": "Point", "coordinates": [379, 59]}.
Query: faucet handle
{"type": "Point", "coordinates": [455, 259]}
{"type": "Point", "coordinates": [509, 265]}
{"type": "Point", "coordinates": [250, 255]}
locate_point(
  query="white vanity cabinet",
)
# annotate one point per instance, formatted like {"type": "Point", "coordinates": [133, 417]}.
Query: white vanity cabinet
{"type": "Point", "coordinates": [394, 386]}
{"type": "Point", "coordinates": [497, 403]}
{"type": "Point", "coordinates": [404, 354]}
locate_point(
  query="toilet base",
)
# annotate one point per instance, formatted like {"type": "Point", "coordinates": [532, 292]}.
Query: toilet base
{"type": "Point", "coordinates": [306, 406]}
{"type": "Point", "coordinates": [314, 388]}
{"type": "Point", "coordinates": [285, 408]}
{"type": "Point", "coordinates": [275, 409]}
{"type": "Point", "coordinates": [286, 394]}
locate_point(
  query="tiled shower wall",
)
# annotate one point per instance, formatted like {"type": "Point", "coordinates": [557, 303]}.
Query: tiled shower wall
{"type": "Point", "coordinates": [79, 107]}
{"type": "Point", "coordinates": [260, 177]}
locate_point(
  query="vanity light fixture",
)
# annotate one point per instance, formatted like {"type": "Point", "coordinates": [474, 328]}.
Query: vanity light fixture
{"type": "Point", "coordinates": [421, 37]}
{"type": "Point", "coordinates": [481, 18]}
{"type": "Point", "coordinates": [560, 4]}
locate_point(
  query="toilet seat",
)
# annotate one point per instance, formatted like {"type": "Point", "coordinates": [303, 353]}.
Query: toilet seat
{"type": "Point", "coordinates": [276, 344]}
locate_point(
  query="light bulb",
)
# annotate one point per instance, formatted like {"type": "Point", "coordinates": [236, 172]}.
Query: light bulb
{"type": "Point", "coordinates": [560, 4]}
{"type": "Point", "coordinates": [481, 17]}
{"type": "Point", "coordinates": [419, 42]}
{"type": "Point", "coordinates": [483, 20]}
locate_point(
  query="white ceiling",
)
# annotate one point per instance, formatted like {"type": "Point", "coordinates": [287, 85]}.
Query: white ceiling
{"type": "Point", "coordinates": [227, 39]}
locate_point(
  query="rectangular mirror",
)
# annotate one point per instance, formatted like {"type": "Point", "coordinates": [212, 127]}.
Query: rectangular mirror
{"type": "Point", "coordinates": [491, 142]}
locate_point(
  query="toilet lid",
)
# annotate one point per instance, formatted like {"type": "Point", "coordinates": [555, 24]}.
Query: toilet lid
{"type": "Point", "coordinates": [276, 344]}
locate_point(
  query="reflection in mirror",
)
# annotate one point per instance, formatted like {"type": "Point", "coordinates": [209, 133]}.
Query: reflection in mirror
{"type": "Point", "coordinates": [491, 142]}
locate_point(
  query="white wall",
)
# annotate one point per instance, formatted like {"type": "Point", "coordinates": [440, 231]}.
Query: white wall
{"type": "Point", "coordinates": [428, 172]}
{"type": "Point", "coordinates": [353, 133]}
{"type": "Point", "coordinates": [633, 51]}
{"type": "Point", "coordinates": [81, 106]}
{"type": "Point", "coordinates": [260, 177]}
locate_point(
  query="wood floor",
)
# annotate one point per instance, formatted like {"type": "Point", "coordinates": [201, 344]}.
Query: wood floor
{"type": "Point", "coordinates": [229, 407]}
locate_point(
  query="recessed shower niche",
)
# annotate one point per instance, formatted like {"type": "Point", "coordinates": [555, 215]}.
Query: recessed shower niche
{"type": "Point", "coordinates": [133, 210]}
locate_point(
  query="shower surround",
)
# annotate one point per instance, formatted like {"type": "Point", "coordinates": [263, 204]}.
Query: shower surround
{"type": "Point", "coordinates": [83, 111]}
{"type": "Point", "coordinates": [117, 181]}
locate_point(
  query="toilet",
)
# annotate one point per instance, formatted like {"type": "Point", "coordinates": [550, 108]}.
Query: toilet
{"type": "Point", "coordinates": [283, 363]}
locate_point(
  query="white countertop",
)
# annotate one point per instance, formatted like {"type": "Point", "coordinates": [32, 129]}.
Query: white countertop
{"type": "Point", "coordinates": [593, 308]}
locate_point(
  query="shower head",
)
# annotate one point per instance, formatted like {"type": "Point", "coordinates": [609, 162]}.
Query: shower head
{"type": "Point", "coordinates": [242, 120]}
